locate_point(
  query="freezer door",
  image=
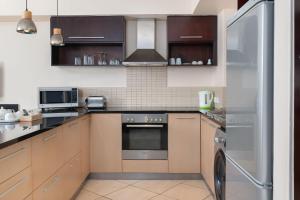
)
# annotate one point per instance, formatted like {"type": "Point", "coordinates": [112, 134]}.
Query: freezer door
{"type": "Point", "coordinates": [240, 187]}
{"type": "Point", "coordinates": [249, 91]}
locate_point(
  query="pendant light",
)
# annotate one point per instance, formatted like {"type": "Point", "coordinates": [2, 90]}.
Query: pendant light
{"type": "Point", "coordinates": [26, 25]}
{"type": "Point", "coordinates": [57, 38]}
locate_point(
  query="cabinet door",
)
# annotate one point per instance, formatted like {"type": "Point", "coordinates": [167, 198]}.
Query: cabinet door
{"type": "Point", "coordinates": [184, 143]}
{"type": "Point", "coordinates": [192, 28]}
{"type": "Point", "coordinates": [106, 144]}
{"type": "Point", "coordinates": [71, 139]}
{"type": "Point", "coordinates": [17, 187]}
{"type": "Point", "coordinates": [85, 146]}
{"type": "Point", "coordinates": [14, 159]}
{"type": "Point", "coordinates": [47, 155]}
{"type": "Point", "coordinates": [93, 29]}
{"type": "Point", "coordinates": [208, 130]}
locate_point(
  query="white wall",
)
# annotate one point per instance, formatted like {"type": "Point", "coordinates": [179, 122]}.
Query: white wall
{"type": "Point", "coordinates": [25, 66]}
{"type": "Point", "coordinates": [282, 100]}
{"type": "Point", "coordinates": [205, 76]}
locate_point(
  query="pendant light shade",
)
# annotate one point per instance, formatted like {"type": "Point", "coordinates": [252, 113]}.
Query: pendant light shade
{"type": "Point", "coordinates": [26, 25]}
{"type": "Point", "coordinates": [57, 38]}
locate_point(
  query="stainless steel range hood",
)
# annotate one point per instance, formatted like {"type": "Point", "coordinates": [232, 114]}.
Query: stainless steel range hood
{"type": "Point", "coordinates": [145, 55]}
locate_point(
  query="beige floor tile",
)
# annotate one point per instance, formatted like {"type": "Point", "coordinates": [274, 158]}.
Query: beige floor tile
{"type": "Point", "coordinates": [131, 193]}
{"type": "Point", "coordinates": [86, 195]}
{"type": "Point", "coordinates": [209, 198]}
{"type": "Point", "coordinates": [103, 187]}
{"type": "Point", "coordinates": [161, 197]}
{"type": "Point", "coordinates": [157, 186]}
{"type": "Point", "coordinates": [103, 198]}
{"type": "Point", "coordinates": [196, 183]}
{"type": "Point", "coordinates": [186, 192]}
{"type": "Point", "coordinates": [128, 182]}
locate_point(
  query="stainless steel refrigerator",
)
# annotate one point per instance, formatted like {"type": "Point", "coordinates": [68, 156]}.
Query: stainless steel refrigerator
{"type": "Point", "coordinates": [249, 103]}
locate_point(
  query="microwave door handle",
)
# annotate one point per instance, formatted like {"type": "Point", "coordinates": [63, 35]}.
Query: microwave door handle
{"type": "Point", "coordinates": [145, 126]}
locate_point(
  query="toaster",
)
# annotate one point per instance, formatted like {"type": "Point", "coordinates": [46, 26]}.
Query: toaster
{"type": "Point", "coordinates": [95, 102]}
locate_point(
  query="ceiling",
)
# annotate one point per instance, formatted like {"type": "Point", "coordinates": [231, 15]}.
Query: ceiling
{"type": "Point", "coordinates": [213, 7]}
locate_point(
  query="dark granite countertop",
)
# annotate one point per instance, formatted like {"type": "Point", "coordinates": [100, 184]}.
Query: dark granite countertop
{"type": "Point", "coordinates": [13, 133]}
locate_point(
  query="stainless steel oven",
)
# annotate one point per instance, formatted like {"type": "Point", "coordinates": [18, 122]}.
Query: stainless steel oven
{"type": "Point", "coordinates": [145, 136]}
{"type": "Point", "coordinates": [58, 97]}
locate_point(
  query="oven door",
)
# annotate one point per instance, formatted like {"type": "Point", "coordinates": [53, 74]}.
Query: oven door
{"type": "Point", "coordinates": [145, 141]}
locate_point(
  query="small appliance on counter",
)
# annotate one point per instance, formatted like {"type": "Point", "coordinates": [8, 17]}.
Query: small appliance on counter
{"type": "Point", "coordinates": [95, 102]}
{"type": "Point", "coordinates": [206, 100]}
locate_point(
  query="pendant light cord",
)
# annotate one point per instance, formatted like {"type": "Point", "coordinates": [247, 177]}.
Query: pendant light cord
{"type": "Point", "coordinates": [26, 6]}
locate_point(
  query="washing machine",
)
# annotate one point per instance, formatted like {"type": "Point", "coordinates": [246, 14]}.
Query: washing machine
{"type": "Point", "coordinates": [220, 164]}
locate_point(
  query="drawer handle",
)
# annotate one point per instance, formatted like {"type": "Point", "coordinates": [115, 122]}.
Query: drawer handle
{"type": "Point", "coordinates": [185, 118]}
{"type": "Point", "coordinates": [55, 180]}
{"type": "Point", "coordinates": [191, 37]}
{"type": "Point", "coordinates": [13, 187]}
{"type": "Point", "coordinates": [83, 37]}
{"type": "Point", "coordinates": [49, 137]}
{"type": "Point", "coordinates": [73, 124]}
{"type": "Point", "coordinates": [12, 154]}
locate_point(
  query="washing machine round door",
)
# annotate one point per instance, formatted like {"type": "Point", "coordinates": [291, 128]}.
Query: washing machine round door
{"type": "Point", "coordinates": [219, 175]}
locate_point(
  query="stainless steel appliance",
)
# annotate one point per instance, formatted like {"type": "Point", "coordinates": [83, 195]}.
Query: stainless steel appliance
{"type": "Point", "coordinates": [58, 97]}
{"type": "Point", "coordinates": [95, 102]}
{"type": "Point", "coordinates": [145, 55]}
{"type": "Point", "coordinates": [249, 103]}
{"type": "Point", "coordinates": [145, 136]}
{"type": "Point", "coordinates": [220, 164]}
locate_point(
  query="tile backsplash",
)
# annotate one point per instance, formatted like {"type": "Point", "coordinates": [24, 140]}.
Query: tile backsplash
{"type": "Point", "coordinates": [147, 86]}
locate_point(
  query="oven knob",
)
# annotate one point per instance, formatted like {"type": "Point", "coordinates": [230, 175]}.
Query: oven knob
{"type": "Point", "coordinates": [128, 120]}
{"type": "Point", "coordinates": [160, 119]}
{"type": "Point", "coordinates": [132, 119]}
{"type": "Point", "coordinates": [155, 119]}
{"type": "Point", "coordinates": [151, 119]}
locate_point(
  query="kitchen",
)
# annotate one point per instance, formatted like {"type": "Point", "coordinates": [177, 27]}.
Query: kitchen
{"type": "Point", "coordinates": [155, 101]}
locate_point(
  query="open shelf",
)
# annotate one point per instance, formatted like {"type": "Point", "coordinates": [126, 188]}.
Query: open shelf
{"type": "Point", "coordinates": [65, 56]}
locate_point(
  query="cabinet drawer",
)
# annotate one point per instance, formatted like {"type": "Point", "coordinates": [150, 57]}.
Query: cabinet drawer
{"type": "Point", "coordinates": [46, 155]}
{"type": "Point", "coordinates": [72, 177]}
{"type": "Point", "coordinates": [18, 187]}
{"type": "Point", "coordinates": [71, 139]}
{"type": "Point", "coordinates": [146, 166]}
{"type": "Point", "coordinates": [52, 189]}
{"type": "Point", "coordinates": [14, 159]}
{"type": "Point", "coordinates": [192, 28]}
{"type": "Point", "coordinates": [91, 29]}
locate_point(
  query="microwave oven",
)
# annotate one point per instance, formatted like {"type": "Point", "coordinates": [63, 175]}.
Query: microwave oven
{"type": "Point", "coordinates": [58, 97]}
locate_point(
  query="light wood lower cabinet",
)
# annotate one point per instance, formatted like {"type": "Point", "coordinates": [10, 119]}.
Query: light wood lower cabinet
{"type": "Point", "coordinates": [53, 188]}
{"type": "Point", "coordinates": [106, 143]}
{"type": "Point", "coordinates": [208, 130]}
{"type": "Point", "coordinates": [85, 146]}
{"type": "Point", "coordinates": [63, 184]}
{"type": "Point", "coordinates": [17, 187]}
{"type": "Point", "coordinates": [184, 143]}
{"type": "Point", "coordinates": [14, 159]}
{"type": "Point", "coordinates": [71, 139]}
{"type": "Point", "coordinates": [146, 166]}
{"type": "Point", "coordinates": [47, 156]}
{"type": "Point", "coordinates": [71, 177]}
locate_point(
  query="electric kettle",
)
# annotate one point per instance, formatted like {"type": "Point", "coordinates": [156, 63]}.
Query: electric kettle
{"type": "Point", "coordinates": [206, 100]}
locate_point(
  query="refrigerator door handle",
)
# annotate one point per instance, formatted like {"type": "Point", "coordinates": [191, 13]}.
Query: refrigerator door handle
{"type": "Point", "coordinates": [266, 186]}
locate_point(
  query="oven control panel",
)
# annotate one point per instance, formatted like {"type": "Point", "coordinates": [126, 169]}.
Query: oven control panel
{"type": "Point", "coordinates": [145, 118]}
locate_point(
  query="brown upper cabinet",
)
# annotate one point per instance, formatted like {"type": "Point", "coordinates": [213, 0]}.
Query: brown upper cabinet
{"type": "Point", "coordinates": [91, 29]}
{"type": "Point", "coordinates": [192, 28]}
{"type": "Point", "coordinates": [193, 38]}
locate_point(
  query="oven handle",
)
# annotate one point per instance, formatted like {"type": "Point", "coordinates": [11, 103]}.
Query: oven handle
{"type": "Point", "coordinates": [145, 126]}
